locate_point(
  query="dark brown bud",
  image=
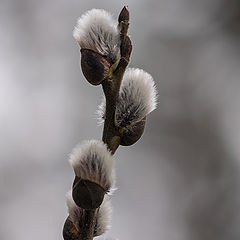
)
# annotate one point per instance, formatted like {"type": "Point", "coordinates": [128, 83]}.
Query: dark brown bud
{"type": "Point", "coordinates": [124, 15]}
{"type": "Point", "coordinates": [87, 194]}
{"type": "Point", "coordinates": [126, 47]}
{"type": "Point", "coordinates": [133, 134]}
{"type": "Point", "coordinates": [69, 231]}
{"type": "Point", "coordinates": [95, 67]}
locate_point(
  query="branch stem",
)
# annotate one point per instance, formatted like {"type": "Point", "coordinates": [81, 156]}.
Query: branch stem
{"type": "Point", "coordinates": [111, 131]}
{"type": "Point", "coordinates": [111, 86]}
{"type": "Point", "coordinates": [87, 230]}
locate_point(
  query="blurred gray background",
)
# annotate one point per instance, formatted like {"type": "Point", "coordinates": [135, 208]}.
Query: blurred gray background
{"type": "Point", "coordinates": [181, 180]}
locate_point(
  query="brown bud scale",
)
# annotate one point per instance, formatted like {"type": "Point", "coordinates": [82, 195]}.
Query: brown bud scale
{"type": "Point", "coordinates": [126, 47]}
{"type": "Point", "coordinates": [87, 194]}
{"type": "Point", "coordinates": [69, 231]}
{"type": "Point", "coordinates": [124, 15]}
{"type": "Point", "coordinates": [133, 133]}
{"type": "Point", "coordinates": [95, 67]}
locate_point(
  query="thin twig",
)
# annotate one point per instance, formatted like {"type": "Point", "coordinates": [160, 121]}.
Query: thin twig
{"type": "Point", "coordinates": [87, 229]}
{"type": "Point", "coordinates": [111, 86]}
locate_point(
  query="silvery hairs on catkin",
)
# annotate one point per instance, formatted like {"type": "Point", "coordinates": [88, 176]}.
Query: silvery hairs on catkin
{"type": "Point", "coordinates": [102, 217]}
{"type": "Point", "coordinates": [92, 161]}
{"type": "Point", "coordinates": [97, 30]}
{"type": "Point", "coordinates": [137, 98]}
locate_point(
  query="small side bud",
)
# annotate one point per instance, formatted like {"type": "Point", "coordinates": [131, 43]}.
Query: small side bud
{"type": "Point", "coordinates": [124, 15]}
{"type": "Point", "coordinates": [87, 195]}
{"type": "Point", "coordinates": [95, 67]}
{"type": "Point", "coordinates": [126, 47]}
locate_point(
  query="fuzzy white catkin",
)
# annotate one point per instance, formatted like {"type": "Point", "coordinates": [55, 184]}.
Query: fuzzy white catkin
{"type": "Point", "coordinates": [102, 217]}
{"type": "Point", "coordinates": [75, 212]}
{"type": "Point", "coordinates": [93, 161]}
{"type": "Point", "coordinates": [137, 98]}
{"type": "Point", "coordinates": [97, 30]}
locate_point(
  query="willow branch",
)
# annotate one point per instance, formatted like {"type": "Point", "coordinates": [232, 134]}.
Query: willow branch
{"type": "Point", "coordinates": [86, 194]}
{"type": "Point", "coordinates": [111, 86]}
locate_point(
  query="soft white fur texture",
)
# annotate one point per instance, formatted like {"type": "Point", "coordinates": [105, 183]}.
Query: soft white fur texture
{"type": "Point", "coordinates": [137, 98]}
{"type": "Point", "coordinates": [103, 217]}
{"type": "Point", "coordinates": [75, 212]}
{"type": "Point", "coordinates": [93, 161]}
{"type": "Point", "coordinates": [97, 30]}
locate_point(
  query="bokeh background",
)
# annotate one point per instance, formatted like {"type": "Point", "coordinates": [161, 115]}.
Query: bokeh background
{"type": "Point", "coordinates": [181, 180]}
